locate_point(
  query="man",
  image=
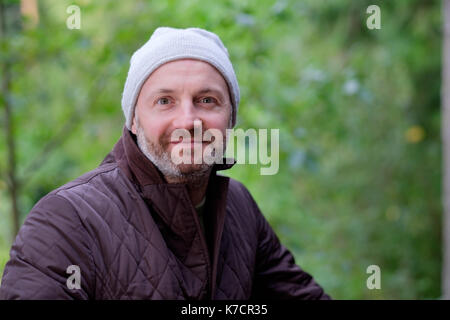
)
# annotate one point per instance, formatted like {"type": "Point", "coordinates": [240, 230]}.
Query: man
{"type": "Point", "coordinates": [141, 225]}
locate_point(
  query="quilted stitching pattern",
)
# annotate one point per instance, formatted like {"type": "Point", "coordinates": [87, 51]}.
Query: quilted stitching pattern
{"type": "Point", "coordinates": [133, 258]}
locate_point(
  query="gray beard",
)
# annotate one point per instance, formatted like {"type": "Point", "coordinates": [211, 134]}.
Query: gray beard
{"type": "Point", "coordinates": [162, 160]}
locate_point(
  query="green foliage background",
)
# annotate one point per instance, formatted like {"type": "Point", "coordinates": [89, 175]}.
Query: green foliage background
{"type": "Point", "coordinates": [358, 112]}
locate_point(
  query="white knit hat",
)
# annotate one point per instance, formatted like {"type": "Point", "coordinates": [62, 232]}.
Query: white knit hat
{"type": "Point", "coordinates": [169, 44]}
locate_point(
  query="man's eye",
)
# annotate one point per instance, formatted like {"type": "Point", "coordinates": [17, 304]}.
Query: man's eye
{"type": "Point", "coordinates": [163, 101]}
{"type": "Point", "coordinates": [208, 100]}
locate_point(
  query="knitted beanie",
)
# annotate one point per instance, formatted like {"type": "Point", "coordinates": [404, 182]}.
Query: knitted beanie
{"type": "Point", "coordinates": [169, 44]}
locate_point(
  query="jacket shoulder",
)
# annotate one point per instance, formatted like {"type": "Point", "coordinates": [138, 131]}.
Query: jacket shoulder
{"type": "Point", "coordinates": [54, 236]}
{"type": "Point", "coordinates": [104, 171]}
{"type": "Point", "coordinates": [238, 189]}
{"type": "Point", "coordinates": [51, 239]}
{"type": "Point", "coordinates": [242, 206]}
{"type": "Point", "coordinates": [238, 193]}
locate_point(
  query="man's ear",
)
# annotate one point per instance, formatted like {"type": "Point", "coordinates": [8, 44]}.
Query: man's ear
{"type": "Point", "coordinates": [133, 125]}
{"type": "Point", "coordinates": [230, 120]}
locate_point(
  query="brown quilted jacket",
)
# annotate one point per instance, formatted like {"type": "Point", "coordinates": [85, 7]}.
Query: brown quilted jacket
{"type": "Point", "coordinates": [133, 236]}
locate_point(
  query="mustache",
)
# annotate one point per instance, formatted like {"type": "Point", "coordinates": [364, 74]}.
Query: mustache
{"type": "Point", "coordinates": [166, 138]}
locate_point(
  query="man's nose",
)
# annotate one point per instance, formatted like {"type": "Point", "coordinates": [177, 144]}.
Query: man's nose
{"type": "Point", "coordinates": [185, 116]}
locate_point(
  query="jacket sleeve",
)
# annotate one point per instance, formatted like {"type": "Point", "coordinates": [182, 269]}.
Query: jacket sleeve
{"type": "Point", "coordinates": [51, 239]}
{"type": "Point", "coordinates": [276, 274]}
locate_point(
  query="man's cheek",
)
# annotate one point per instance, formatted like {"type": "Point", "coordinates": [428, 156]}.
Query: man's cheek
{"type": "Point", "coordinates": [164, 142]}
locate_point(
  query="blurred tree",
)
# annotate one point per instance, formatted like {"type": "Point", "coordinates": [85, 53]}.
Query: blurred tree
{"type": "Point", "coordinates": [6, 31]}
{"type": "Point", "coordinates": [446, 150]}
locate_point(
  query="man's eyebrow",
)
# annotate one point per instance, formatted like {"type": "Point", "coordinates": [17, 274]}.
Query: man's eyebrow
{"type": "Point", "coordinates": [163, 90]}
{"type": "Point", "coordinates": [211, 90]}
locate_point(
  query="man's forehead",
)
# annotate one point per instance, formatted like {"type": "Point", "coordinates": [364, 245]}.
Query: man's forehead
{"type": "Point", "coordinates": [175, 89]}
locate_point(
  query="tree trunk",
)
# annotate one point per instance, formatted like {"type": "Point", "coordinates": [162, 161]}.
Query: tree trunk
{"type": "Point", "coordinates": [445, 130]}
{"type": "Point", "coordinates": [13, 186]}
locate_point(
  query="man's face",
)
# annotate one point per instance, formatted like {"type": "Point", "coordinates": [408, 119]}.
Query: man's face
{"type": "Point", "coordinates": [173, 97]}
